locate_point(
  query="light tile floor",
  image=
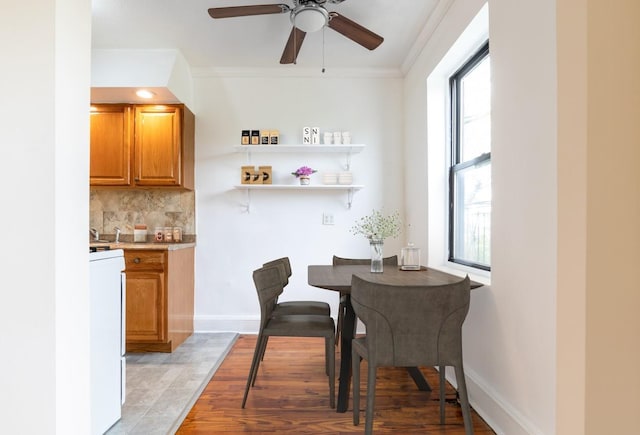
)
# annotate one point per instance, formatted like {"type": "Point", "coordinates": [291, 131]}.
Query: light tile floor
{"type": "Point", "coordinates": [162, 387]}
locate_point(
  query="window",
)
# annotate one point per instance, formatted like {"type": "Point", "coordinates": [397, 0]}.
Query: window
{"type": "Point", "coordinates": [470, 169]}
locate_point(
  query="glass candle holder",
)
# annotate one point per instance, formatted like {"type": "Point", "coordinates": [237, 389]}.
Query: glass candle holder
{"type": "Point", "coordinates": [410, 258]}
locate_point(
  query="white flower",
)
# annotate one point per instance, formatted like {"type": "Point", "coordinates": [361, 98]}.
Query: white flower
{"type": "Point", "coordinates": [378, 226]}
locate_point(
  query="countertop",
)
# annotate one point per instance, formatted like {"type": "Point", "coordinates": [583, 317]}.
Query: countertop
{"type": "Point", "coordinates": [144, 245]}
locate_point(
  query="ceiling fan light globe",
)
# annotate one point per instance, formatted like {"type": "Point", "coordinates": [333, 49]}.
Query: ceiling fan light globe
{"type": "Point", "coordinates": [310, 18]}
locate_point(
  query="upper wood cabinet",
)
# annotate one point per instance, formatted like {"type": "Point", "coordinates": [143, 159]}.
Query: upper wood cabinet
{"type": "Point", "coordinates": [111, 136]}
{"type": "Point", "coordinates": [142, 146]}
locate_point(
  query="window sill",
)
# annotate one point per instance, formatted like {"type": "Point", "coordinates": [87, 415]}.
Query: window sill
{"type": "Point", "coordinates": [481, 276]}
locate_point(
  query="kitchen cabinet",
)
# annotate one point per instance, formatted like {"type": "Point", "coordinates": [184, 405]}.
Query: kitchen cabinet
{"type": "Point", "coordinates": [159, 302]}
{"type": "Point", "coordinates": [111, 136]}
{"type": "Point", "coordinates": [142, 146]}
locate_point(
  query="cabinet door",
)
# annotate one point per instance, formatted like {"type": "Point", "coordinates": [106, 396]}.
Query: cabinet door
{"type": "Point", "coordinates": [158, 144]}
{"type": "Point", "coordinates": [145, 309]}
{"type": "Point", "coordinates": [111, 137]}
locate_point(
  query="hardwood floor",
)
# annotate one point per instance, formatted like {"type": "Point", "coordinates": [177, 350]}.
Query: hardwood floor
{"type": "Point", "coordinates": [291, 395]}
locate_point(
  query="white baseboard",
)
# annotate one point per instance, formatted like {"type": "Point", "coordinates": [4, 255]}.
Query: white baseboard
{"type": "Point", "coordinates": [239, 324]}
{"type": "Point", "coordinates": [503, 418]}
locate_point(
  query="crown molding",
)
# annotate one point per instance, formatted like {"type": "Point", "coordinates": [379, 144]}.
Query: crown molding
{"type": "Point", "coordinates": [293, 71]}
{"type": "Point", "coordinates": [430, 26]}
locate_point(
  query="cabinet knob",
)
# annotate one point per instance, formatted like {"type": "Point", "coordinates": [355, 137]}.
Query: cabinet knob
{"type": "Point", "coordinates": [136, 260]}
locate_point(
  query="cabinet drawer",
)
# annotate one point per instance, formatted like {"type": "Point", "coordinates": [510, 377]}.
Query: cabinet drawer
{"type": "Point", "coordinates": [144, 260]}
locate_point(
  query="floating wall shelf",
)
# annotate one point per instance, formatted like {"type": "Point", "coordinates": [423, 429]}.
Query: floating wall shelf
{"type": "Point", "coordinates": [344, 148]}
{"type": "Point", "coordinates": [349, 188]}
{"type": "Point", "coordinates": [348, 149]}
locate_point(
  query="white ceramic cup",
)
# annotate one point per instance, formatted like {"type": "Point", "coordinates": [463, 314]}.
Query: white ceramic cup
{"type": "Point", "coordinates": [337, 137]}
{"type": "Point", "coordinates": [328, 138]}
{"type": "Point", "coordinates": [346, 137]}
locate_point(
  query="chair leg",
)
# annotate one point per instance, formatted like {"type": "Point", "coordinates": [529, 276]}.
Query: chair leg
{"type": "Point", "coordinates": [331, 360]}
{"type": "Point", "coordinates": [371, 398]}
{"type": "Point", "coordinates": [253, 370]}
{"type": "Point", "coordinates": [263, 349]}
{"type": "Point", "coordinates": [355, 370]}
{"type": "Point", "coordinates": [464, 400]}
{"type": "Point", "coordinates": [341, 310]}
{"type": "Point", "coordinates": [327, 342]}
{"type": "Point", "coordinates": [442, 387]}
{"type": "Point", "coordinates": [263, 346]}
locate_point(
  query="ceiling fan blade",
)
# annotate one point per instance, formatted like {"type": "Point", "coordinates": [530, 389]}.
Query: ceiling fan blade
{"type": "Point", "coordinates": [354, 31]}
{"type": "Point", "coordinates": [243, 11]}
{"type": "Point", "coordinates": [291, 50]}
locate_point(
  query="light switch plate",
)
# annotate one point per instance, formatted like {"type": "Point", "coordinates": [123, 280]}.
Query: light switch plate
{"type": "Point", "coordinates": [327, 219]}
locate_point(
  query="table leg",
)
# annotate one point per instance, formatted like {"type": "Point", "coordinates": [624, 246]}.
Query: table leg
{"type": "Point", "coordinates": [348, 331]}
{"type": "Point", "coordinates": [420, 381]}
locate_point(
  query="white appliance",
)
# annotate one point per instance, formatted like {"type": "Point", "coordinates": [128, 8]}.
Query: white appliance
{"type": "Point", "coordinates": [107, 299]}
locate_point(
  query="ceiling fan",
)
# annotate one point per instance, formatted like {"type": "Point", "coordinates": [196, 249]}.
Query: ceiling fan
{"type": "Point", "coordinates": [306, 16]}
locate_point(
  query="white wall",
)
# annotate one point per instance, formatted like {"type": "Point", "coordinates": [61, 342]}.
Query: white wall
{"type": "Point", "coordinates": [524, 277]}
{"type": "Point", "coordinates": [231, 242]}
{"type": "Point", "coordinates": [572, 216]}
{"type": "Point", "coordinates": [44, 83]}
{"type": "Point", "coordinates": [509, 336]}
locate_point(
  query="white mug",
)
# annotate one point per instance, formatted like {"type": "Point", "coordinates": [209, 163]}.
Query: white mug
{"type": "Point", "coordinates": [346, 137]}
{"type": "Point", "coordinates": [337, 136]}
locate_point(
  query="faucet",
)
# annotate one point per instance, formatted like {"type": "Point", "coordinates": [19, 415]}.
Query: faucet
{"type": "Point", "coordinates": [117, 235]}
{"type": "Point", "coordinates": [95, 234]}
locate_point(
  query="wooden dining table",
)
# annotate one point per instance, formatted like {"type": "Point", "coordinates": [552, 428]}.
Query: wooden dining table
{"type": "Point", "coordinates": [338, 278]}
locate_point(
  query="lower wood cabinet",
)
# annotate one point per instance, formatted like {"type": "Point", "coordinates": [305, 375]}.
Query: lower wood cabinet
{"type": "Point", "coordinates": [159, 310]}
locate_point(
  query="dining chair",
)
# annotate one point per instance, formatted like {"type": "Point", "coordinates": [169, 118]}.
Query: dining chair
{"type": "Point", "coordinates": [269, 285]}
{"type": "Point", "coordinates": [342, 261]}
{"type": "Point", "coordinates": [409, 327]}
{"type": "Point", "coordinates": [292, 307]}
{"type": "Point", "coordinates": [296, 307]}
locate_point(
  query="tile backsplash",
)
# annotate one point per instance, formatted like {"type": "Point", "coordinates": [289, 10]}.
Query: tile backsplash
{"type": "Point", "coordinates": [125, 208]}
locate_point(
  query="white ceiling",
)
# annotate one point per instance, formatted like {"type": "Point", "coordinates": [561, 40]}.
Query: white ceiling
{"type": "Point", "coordinates": [258, 41]}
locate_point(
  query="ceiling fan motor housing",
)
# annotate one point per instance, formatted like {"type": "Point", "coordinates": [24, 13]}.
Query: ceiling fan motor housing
{"type": "Point", "coordinates": [309, 17]}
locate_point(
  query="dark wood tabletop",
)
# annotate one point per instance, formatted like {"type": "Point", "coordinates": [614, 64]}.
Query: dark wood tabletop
{"type": "Point", "coordinates": [338, 278]}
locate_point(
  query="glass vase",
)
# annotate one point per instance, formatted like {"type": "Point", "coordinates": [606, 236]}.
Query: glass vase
{"type": "Point", "coordinates": [376, 255]}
